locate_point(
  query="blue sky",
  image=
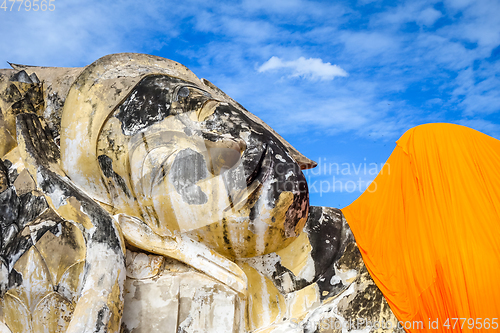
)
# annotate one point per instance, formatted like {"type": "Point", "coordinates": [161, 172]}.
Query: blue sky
{"type": "Point", "coordinates": [340, 80]}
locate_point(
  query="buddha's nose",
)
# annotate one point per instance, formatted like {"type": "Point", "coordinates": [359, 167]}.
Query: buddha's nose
{"type": "Point", "coordinates": [224, 151]}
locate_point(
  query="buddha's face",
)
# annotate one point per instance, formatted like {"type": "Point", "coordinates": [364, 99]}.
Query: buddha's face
{"type": "Point", "coordinates": [199, 166]}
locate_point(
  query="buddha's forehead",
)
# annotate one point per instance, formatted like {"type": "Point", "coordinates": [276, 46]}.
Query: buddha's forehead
{"type": "Point", "coordinates": [153, 99]}
{"type": "Point", "coordinates": [157, 97]}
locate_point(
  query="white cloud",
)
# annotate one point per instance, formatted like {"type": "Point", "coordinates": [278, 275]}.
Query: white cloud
{"type": "Point", "coordinates": [312, 68]}
{"type": "Point", "coordinates": [428, 16]}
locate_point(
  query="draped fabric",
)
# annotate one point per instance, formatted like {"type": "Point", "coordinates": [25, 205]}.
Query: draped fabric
{"type": "Point", "coordinates": [429, 228]}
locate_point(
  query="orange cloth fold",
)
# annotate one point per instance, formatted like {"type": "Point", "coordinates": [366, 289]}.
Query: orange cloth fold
{"type": "Point", "coordinates": [429, 228]}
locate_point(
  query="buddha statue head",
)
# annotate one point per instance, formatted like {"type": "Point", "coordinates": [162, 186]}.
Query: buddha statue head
{"type": "Point", "coordinates": [145, 137]}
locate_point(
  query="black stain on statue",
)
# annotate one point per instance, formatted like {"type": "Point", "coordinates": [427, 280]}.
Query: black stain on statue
{"type": "Point", "coordinates": [148, 103]}
{"type": "Point", "coordinates": [16, 212]}
{"type": "Point", "coordinates": [325, 236]}
{"type": "Point", "coordinates": [106, 164]}
{"type": "Point", "coordinates": [188, 168]}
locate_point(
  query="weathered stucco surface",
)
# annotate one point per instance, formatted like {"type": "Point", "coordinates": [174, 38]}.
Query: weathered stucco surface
{"type": "Point", "coordinates": [135, 197]}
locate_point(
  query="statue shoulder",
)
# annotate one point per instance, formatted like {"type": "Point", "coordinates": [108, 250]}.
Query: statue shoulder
{"type": "Point", "coordinates": [312, 256]}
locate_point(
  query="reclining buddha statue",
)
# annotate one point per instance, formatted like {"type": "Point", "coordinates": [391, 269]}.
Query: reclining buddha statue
{"type": "Point", "coordinates": [136, 197]}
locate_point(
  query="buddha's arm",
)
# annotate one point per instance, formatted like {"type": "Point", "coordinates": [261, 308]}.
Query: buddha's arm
{"type": "Point", "coordinates": [100, 304]}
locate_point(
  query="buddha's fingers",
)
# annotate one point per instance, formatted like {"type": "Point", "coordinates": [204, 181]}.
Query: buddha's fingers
{"type": "Point", "coordinates": [186, 250]}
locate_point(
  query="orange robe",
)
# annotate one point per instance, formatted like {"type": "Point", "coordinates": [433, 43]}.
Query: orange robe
{"type": "Point", "coordinates": [429, 228]}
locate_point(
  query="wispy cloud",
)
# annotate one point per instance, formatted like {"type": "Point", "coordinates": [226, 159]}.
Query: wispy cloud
{"type": "Point", "coordinates": [481, 125]}
{"type": "Point", "coordinates": [420, 12]}
{"type": "Point", "coordinates": [395, 61]}
{"type": "Point", "coordinates": [312, 68]}
{"type": "Point", "coordinates": [77, 33]}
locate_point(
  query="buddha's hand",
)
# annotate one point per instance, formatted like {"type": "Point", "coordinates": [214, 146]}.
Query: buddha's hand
{"type": "Point", "coordinates": [184, 249]}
